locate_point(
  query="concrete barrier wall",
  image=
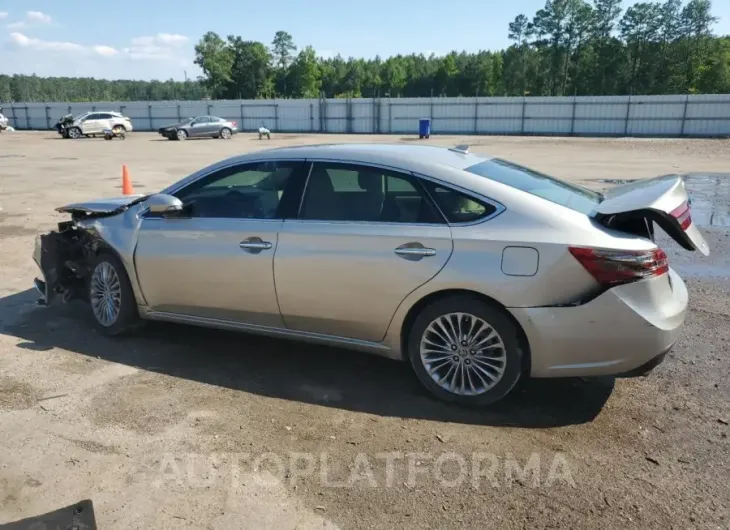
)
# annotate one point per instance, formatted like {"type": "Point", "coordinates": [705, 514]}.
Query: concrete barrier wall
{"type": "Point", "coordinates": [696, 115]}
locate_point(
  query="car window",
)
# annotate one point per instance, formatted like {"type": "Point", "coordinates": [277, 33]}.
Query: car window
{"type": "Point", "coordinates": [202, 120]}
{"type": "Point", "coordinates": [535, 183]}
{"type": "Point", "coordinates": [456, 206]}
{"type": "Point", "coordinates": [92, 116]}
{"type": "Point", "coordinates": [104, 116]}
{"type": "Point", "coordinates": [247, 191]}
{"type": "Point", "coordinates": [214, 120]}
{"type": "Point", "coordinates": [346, 192]}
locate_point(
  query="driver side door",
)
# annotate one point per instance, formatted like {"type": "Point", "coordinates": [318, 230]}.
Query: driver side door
{"type": "Point", "coordinates": [91, 124]}
{"type": "Point", "coordinates": [199, 127]}
{"type": "Point", "coordinates": [214, 260]}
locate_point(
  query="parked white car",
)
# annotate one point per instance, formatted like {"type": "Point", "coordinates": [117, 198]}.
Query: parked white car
{"type": "Point", "coordinates": [94, 123]}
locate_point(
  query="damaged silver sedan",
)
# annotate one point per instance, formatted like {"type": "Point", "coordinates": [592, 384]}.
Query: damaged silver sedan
{"type": "Point", "coordinates": [475, 270]}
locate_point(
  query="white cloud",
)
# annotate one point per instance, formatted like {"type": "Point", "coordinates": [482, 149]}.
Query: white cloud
{"type": "Point", "coordinates": [37, 16]}
{"type": "Point", "coordinates": [105, 51]}
{"type": "Point", "coordinates": [161, 46]}
{"type": "Point", "coordinates": [3, 15]}
{"type": "Point", "coordinates": [172, 39]}
{"type": "Point", "coordinates": [16, 25]}
{"type": "Point", "coordinates": [44, 45]}
{"type": "Point", "coordinates": [162, 56]}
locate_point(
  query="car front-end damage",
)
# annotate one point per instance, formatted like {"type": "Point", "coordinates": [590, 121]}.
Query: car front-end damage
{"type": "Point", "coordinates": [64, 255]}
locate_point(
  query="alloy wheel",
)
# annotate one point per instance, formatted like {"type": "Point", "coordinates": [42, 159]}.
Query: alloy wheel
{"type": "Point", "coordinates": [105, 294]}
{"type": "Point", "coordinates": [463, 354]}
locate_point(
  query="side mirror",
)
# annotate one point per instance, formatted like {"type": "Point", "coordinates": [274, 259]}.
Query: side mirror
{"type": "Point", "coordinates": [161, 204]}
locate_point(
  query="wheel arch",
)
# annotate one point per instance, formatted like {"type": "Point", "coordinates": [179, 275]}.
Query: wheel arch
{"type": "Point", "coordinates": [430, 298]}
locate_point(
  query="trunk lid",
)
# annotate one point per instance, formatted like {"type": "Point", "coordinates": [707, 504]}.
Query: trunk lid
{"type": "Point", "coordinates": [101, 206]}
{"type": "Point", "coordinates": [663, 200]}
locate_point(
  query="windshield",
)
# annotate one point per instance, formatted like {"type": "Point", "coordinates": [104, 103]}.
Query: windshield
{"type": "Point", "coordinates": [535, 183]}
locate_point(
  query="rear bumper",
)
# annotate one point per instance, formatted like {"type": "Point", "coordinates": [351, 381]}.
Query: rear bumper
{"type": "Point", "coordinates": [621, 332]}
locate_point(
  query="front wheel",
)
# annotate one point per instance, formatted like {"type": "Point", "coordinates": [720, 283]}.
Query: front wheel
{"type": "Point", "coordinates": [111, 297]}
{"type": "Point", "coordinates": [225, 133]}
{"type": "Point", "coordinates": [181, 135]}
{"type": "Point", "coordinates": [465, 351]}
{"type": "Point", "coordinates": [74, 133]}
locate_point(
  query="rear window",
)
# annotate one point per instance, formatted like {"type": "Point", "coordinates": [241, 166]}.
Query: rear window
{"type": "Point", "coordinates": [535, 183]}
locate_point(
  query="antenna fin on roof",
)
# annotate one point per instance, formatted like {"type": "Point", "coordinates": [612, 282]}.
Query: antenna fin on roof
{"type": "Point", "coordinates": [461, 148]}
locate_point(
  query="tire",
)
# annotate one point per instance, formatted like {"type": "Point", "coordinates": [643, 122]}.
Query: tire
{"type": "Point", "coordinates": [483, 390]}
{"type": "Point", "coordinates": [119, 129]}
{"type": "Point", "coordinates": [74, 133]}
{"type": "Point", "coordinates": [105, 268]}
{"type": "Point", "coordinates": [181, 135]}
{"type": "Point", "coordinates": [225, 133]}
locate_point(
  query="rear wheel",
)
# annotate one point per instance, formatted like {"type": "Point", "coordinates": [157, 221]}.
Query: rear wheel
{"type": "Point", "coordinates": [181, 135]}
{"type": "Point", "coordinates": [225, 133]}
{"type": "Point", "coordinates": [74, 133]}
{"type": "Point", "coordinates": [465, 351]}
{"type": "Point", "coordinates": [119, 129]}
{"type": "Point", "coordinates": [111, 297]}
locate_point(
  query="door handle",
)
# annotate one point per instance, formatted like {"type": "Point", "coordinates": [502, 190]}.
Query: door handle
{"type": "Point", "coordinates": [254, 245]}
{"type": "Point", "coordinates": [414, 251]}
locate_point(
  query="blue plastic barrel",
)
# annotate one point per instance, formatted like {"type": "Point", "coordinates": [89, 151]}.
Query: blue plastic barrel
{"type": "Point", "coordinates": [424, 128]}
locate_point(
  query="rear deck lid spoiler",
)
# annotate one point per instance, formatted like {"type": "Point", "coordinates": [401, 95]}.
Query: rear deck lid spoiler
{"type": "Point", "coordinates": [663, 200]}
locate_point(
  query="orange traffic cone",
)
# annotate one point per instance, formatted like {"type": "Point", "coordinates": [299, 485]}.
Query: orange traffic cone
{"type": "Point", "coordinates": [127, 188]}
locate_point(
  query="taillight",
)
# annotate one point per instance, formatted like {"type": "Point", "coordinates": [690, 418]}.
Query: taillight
{"type": "Point", "coordinates": [234, 123]}
{"type": "Point", "coordinates": [682, 215]}
{"type": "Point", "coordinates": [615, 267]}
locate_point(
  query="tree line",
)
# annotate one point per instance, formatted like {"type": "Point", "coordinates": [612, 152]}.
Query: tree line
{"type": "Point", "coordinates": [569, 47]}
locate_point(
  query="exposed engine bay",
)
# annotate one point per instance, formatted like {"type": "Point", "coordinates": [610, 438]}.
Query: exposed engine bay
{"type": "Point", "coordinates": [65, 255]}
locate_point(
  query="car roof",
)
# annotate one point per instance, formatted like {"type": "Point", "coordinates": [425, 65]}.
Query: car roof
{"type": "Point", "coordinates": [403, 156]}
{"type": "Point", "coordinates": [442, 163]}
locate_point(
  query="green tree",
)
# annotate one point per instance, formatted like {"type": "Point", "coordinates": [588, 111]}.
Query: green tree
{"type": "Point", "coordinates": [251, 73]}
{"type": "Point", "coordinates": [215, 58]}
{"type": "Point", "coordinates": [304, 77]}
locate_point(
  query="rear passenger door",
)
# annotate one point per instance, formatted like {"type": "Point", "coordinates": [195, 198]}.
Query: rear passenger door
{"type": "Point", "coordinates": [365, 238]}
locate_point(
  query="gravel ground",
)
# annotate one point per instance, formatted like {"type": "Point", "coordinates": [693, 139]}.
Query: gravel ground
{"type": "Point", "coordinates": [180, 427]}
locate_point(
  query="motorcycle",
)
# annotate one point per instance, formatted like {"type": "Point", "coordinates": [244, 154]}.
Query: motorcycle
{"type": "Point", "coordinates": [63, 124]}
{"type": "Point", "coordinates": [110, 134]}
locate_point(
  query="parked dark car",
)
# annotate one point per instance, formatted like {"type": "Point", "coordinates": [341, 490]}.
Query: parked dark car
{"type": "Point", "coordinates": [199, 127]}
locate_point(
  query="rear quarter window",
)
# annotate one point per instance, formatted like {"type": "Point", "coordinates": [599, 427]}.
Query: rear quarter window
{"type": "Point", "coordinates": [456, 206]}
{"type": "Point", "coordinates": [535, 183]}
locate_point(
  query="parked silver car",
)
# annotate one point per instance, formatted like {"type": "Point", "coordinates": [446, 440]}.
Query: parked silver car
{"type": "Point", "coordinates": [475, 270]}
{"type": "Point", "coordinates": [200, 127]}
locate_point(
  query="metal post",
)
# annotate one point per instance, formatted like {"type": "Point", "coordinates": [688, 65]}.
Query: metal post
{"type": "Point", "coordinates": [149, 115]}
{"type": "Point", "coordinates": [241, 127]}
{"type": "Point", "coordinates": [48, 118]}
{"type": "Point", "coordinates": [14, 118]}
{"type": "Point", "coordinates": [208, 109]}
{"type": "Point", "coordinates": [684, 115]}
{"type": "Point", "coordinates": [572, 119]}
{"type": "Point", "coordinates": [179, 118]}
{"type": "Point", "coordinates": [93, 108]}
{"type": "Point", "coordinates": [27, 118]}
{"type": "Point", "coordinates": [522, 124]}
{"type": "Point", "coordinates": [276, 118]}
{"type": "Point", "coordinates": [69, 109]}
{"type": "Point", "coordinates": [476, 114]}
{"type": "Point", "coordinates": [628, 116]}
{"type": "Point", "coordinates": [311, 117]}
{"type": "Point", "coordinates": [390, 117]}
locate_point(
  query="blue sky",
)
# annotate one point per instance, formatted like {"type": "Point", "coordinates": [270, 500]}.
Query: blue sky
{"type": "Point", "coordinates": [155, 38]}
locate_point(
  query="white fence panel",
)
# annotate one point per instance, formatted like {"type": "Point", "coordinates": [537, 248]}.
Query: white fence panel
{"type": "Point", "coordinates": [703, 115]}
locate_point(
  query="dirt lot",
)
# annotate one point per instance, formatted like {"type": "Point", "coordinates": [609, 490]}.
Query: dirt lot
{"type": "Point", "coordinates": [186, 428]}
